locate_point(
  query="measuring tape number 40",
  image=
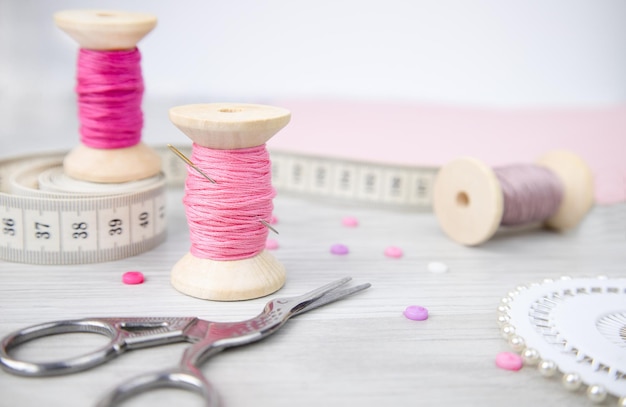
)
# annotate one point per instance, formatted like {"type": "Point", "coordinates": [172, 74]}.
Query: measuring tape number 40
{"type": "Point", "coordinates": [48, 218]}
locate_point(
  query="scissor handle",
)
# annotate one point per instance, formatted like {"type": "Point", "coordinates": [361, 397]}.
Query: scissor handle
{"type": "Point", "coordinates": [191, 380]}
{"type": "Point", "coordinates": [71, 365]}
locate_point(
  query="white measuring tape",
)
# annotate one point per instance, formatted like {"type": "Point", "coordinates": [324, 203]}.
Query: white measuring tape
{"type": "Point", "coordinates": [399, 187]}
{"type": "Point", "coordinates": [47, 218]}
{"type": "Point", "coordinates": [393, 186]}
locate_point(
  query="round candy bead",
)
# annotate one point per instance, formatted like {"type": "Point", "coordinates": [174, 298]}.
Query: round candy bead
{"type": "Point", "coordinates": [416, 313]}
{"type": "Point", "coordinates": [350, 221]}
{"type": "Point", "coordinates": [509, 361]}
{"type": "Point", "coordinates": [394, 252]}
{"type": "Point", "coordinates": [339, 249]}
{"type": "Point", "coordinates": [271, 244]}
{"type": "Point", "coordinates": [437, 267]}
{"type": "Point", "coordinates": [132, 277]}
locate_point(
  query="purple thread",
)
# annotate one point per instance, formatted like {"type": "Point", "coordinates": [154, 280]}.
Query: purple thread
{"type": "Point", "coordinates": [531, 193]}
{"type": "Point", "coordinates": [109, 88]}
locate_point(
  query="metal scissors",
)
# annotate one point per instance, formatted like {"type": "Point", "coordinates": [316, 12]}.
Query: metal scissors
{"type": "Point", "coordinates": [207, 339]}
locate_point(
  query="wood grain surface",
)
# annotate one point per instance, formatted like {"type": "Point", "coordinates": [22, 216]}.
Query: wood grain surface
{"type": "Point", "coordinates": [359, 351]}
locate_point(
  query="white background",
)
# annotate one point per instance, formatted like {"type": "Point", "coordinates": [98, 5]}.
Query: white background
{"type": "Point", "coordinates": [486, 52]}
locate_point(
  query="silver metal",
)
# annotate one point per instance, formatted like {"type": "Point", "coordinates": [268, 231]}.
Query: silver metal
{"type": "Point", "coordinates": [207, 339]}
{"type": "Point", "coordinates": [267, 225]}
{"type": "Point", "coordinates": [189, 162]}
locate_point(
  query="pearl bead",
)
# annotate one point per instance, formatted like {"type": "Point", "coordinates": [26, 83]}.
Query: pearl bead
{"type": "Point", "coordinates": [547, 368]}
{"type": "Point", "coordinates": [621, 402]}
{"type": "Point", "coordinates": [507, 331]}
{"type": "Point", "coordinates": [503, 319]}
{"type": "Point", "coordinates": [503, 309]}
{"type": "Point", "coordinates": [517, 343]}
{"type": "Point", "coordinates": [572, 381]}
{"type": "Point", "coordinates": [530, 356]}
{"type": "Point", "coordinates": [596, 393]}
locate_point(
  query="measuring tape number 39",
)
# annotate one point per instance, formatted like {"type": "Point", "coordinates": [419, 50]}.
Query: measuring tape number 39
{"type": "Point", "coordinates": [49, 218]}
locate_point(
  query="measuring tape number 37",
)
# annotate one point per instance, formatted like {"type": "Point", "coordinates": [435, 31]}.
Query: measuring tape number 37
{"type": "Point", "coordinates": [49, 218]}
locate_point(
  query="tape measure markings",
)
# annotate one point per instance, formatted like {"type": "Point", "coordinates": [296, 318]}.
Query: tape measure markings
{"type": "Point", "coordinates": [406, 187]}
{"type": "Point", "coordinates": [43, 227]}
{"type": "Point", "coordinates": [394, 185]}
{"type": "Point", "coordinates": [66, 231]}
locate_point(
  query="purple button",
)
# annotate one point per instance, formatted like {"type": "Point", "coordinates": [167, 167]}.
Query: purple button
{"type": "Point", "coordinates": [339, 249]}
{"type": "Point", "coordinates": [416, 313]}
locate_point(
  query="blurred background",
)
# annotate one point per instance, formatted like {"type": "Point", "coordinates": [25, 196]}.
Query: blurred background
{"type": "Point", "coordinates": [411, 82]}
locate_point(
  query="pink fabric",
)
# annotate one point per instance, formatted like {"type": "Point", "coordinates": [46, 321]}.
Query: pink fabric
{"type": "Point", "coordinates": [110, 88]}
{"type": "Point", "coordinates": [418, 134]}
{"type": "Point", "coordinates": [225, 218]}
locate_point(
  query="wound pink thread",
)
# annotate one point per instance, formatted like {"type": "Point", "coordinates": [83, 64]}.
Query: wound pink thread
{"type": "Point", "coordinates": [225, 218]}
{"type": "Point", "coordinates": [110, 88]}
{"type": "Point", "coordinates": [531, 193]}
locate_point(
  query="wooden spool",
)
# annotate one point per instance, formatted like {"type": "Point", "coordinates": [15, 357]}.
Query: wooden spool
{"type": "Point", "coordinates": [469, 203]}
{"type": "Point", "coordinates": [105, 30]}
{"type": "Point", "coordinates": [227, 126]}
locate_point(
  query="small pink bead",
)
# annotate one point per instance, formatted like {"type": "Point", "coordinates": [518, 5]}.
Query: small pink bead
{"type": "Point", "coordinates": [416, 313]}
{"type": "Point", "coordinates": [339, 249]}
{"type": "Point", "coordinates": [394, 252]}
{"type": "Point", "coordinates": [350, 221]}
{"type": "Point", "coordinates": [132, 277]}
{"type": "Point", "coordinates": [509, 361]}
{"type": "Point", "coordinates": [271, 244]}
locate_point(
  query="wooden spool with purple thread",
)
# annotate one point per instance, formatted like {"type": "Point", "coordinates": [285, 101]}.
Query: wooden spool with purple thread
{"type": "Point", "coordinates": [470, 202]}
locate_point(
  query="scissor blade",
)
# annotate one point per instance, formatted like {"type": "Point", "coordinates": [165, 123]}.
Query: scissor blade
{"type": "Point", "coordinates": [331, 296]}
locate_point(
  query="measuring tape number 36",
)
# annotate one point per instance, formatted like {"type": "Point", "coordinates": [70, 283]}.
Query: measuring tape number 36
{"type": "Point", "coordinates": [48, 218]}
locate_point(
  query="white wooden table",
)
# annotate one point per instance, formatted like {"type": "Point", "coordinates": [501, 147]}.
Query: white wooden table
{"type": "Point", "coordinates": [359, 351]}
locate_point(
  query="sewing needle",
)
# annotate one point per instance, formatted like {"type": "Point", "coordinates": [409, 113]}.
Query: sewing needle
{"type": "Point", "coordinates": [188, 161]}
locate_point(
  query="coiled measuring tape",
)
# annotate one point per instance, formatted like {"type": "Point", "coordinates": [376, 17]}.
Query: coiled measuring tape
{"type": "Point", "coordinates": [44, 219]}
{"type": "Point", "coordinates": [48, 219]}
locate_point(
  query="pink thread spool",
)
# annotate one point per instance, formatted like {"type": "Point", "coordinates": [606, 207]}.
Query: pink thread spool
{"type": "Point", "coordinates": [227, 126]}
{"type": "Point", "coordinates": [469, 202]}
{"type": "Point", "coordinates": [103, 31]}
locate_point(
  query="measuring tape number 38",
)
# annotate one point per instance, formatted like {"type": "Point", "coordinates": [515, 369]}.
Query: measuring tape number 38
{"type": "Point", "coordinates": [48, 218]}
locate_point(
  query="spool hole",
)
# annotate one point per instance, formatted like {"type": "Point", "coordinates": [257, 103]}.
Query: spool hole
{"type": "Point", "coordinates": [230, 110]}
{"type": "Point", "coordinates": [462, 199]}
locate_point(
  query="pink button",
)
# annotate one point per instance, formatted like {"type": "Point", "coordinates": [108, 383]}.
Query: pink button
{"type": "Point", "coordinates": [132, 277]}
{"type": "Point", "coordinates": [509, 361]}
{"type": "Point", "coordinates": [350, 221]}
{"type": "Point", "coordinates": [394, 252]}
{"type": "Point", "coordinates": [416, 313]}
{"type": "Point", "coordinates": [271, 244]}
